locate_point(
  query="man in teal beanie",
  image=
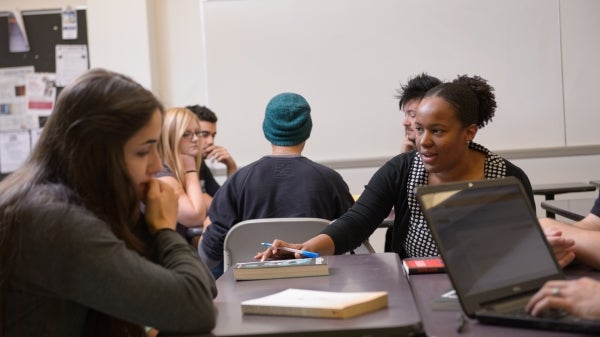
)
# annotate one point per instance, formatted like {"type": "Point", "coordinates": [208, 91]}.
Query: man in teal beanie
{"type": "Point", "coordinates": [283, 184]}
{"type": "Point", "coordinates": [287, 120]}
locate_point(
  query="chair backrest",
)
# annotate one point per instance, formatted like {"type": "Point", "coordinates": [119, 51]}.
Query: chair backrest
{"type": "Point", "coordinates": [243, 240]}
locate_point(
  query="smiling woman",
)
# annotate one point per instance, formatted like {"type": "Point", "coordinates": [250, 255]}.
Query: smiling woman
{"type": "Point", "coordinates": [446, 122]}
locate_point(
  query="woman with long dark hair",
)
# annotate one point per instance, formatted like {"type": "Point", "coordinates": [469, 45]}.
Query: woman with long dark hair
{"type": "Point", "coordinates": [87, 240]}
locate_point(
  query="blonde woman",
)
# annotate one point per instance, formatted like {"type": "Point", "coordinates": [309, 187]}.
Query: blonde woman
{"type": "Point", "coordinates": [182, 158]}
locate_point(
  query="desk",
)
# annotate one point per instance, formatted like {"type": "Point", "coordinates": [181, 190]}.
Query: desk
{"type": "Point", "coordinates": [550, 190]}
{"type": "Point", "coordinates": [361, 272]}
{"type": "Point", "coordinates": [596, 183]}
{"type": "Point", "coordinates": [574, 209]}
{"type": "Point", "coordinates": [442, 323]}
{"type": "Point", "coordinates": [364, 272]}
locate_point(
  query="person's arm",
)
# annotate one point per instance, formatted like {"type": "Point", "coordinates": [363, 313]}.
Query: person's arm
{"type": "Point", "coordinates": [76, 257]}
{"type": "Point", "coordinates": [207, 201]}
{"type": "Point", "coordinates": [192, 202]}
{"type": "Point", "coordinates": [192, 208]}
{"type": "Point", "coordinates": [356, 225]}
{"type": "Point", "coordinates": [321, 244]}
{"type": "Point", "coordinates": [374, 204]}
{"type": "Point", "coordinates": [580, 297]}
{"type": "Point", "coordinates": [590, 222]}
{"type": "Point", "coordinates": [562, 248]}
{"type": "Point", "coordinates": [586, 240]}
{"type": "Point", "coordinates": [221, 155]}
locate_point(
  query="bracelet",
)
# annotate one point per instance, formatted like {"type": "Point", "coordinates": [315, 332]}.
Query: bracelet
{"type": "Point", "coordinates": [162, 230]}
{"type": "Point", "coordinates": [190, 171]}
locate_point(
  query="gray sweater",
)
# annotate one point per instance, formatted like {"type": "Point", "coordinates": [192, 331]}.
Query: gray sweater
{"type": "Point", "coordinates": [68, 261]}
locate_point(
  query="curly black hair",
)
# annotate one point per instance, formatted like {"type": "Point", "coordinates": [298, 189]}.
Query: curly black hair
{"type": "Point", "coordinates": [472, 97]}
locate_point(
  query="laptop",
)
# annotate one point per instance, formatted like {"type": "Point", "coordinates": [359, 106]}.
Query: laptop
{"type": "Point", "coordinates": [495, 251]}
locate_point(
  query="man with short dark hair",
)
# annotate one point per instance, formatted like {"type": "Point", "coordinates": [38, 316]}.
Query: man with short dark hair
{"type": "Point", "coordinates": [210, 151]}
{"type": "Point", "coordinates": [410, 96]}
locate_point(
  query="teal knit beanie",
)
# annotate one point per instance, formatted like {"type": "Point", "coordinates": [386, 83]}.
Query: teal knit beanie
{"type": "Point", "coordinates": [287, 120]}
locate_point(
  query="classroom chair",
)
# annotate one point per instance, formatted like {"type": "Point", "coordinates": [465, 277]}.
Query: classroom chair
{"type": "Point", "coordinates": [243, 240]}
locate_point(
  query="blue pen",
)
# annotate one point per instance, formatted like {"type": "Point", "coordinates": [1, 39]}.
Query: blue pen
{"type": "Point", "coordinates": [304, 253]}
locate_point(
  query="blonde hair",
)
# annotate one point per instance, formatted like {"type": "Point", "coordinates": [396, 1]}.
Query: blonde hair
{"type": "Point", "coordinates": [174, 126]}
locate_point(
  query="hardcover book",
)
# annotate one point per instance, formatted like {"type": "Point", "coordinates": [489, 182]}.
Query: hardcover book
{"type": "Point", "coordinates": [313, 303]}
{"type": "Point", "coordinates": [262, 270]}
{"type": "Point", "coordinates": [421, 265]}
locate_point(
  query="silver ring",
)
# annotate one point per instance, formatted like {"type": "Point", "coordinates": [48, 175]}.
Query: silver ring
{"type": "Point", "coordinates": [556, 291]}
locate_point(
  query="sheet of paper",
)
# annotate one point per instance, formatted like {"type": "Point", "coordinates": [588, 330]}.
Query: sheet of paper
{"type": "Point", "coordinates": [35, 135]}
{"type": "Point", "coordinates": [14, 149]}
{"type": "Point", "coordinates": [17, 36]}
{"type": "Point", "coordinates": [40, 90]}
{"type": "Point", "coordinates": [13, 112]}
{"type": "Point", "coordinates": [71, 61]}
{"type": "Point", "coordinates": [69, 24]}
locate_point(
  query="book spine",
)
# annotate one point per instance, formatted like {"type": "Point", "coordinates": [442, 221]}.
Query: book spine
{"type": "Point", "coordinates": [423, 265]}
{"type": "Point", "coordinates": [425, 270]}
{"type": "Point", "coordinates": [291, 311]}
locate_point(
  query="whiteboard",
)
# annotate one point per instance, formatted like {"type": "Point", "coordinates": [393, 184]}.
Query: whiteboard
{"type": "Point", "coordinates": [347, 58]}
{"type": "Point", "coordinates": [581, 58]}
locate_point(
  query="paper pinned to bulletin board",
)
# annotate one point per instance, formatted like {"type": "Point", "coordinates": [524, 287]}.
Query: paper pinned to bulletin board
{"type": "Point", "coordinates": [69, 23]}
{"type": "Point", "coordinates": [40, 90]}
{"type": "Point", "coordinates": [14, 149]}
{"type": "Point", "coordinates": [13, 111]}
{"type": "Point", "coordinates": [71, 61]}
{"type": "Point", "coordinates": [17, 35]}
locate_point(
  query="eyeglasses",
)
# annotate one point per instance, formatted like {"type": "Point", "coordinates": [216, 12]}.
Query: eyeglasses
{"type": "Point", "coordinates": [190, 134]}
{"type": "Point", "coordinates": [206, 134]}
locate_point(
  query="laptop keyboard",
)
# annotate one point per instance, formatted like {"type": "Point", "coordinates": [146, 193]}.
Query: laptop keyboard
{"type": "Point", "coordinates": [552, 314]}
{"type": "Point", "coordinates": [516, 308]}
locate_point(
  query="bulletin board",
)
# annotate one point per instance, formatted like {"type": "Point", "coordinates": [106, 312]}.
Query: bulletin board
{"type": "Point", "coordinates": [44, 32]}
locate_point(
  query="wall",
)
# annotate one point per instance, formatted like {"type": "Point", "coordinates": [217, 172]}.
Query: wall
{"type": "Point", "coordinates": [347, 57]}
{"type": "Point", "coordinates": [10, 5]}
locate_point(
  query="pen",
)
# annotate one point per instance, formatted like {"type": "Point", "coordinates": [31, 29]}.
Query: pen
{"type": "Point", "coordinates": [304, 253]}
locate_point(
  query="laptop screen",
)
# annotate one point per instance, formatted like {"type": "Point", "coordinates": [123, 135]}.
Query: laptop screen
{"type": "Point", "coordinates": [489, 237]}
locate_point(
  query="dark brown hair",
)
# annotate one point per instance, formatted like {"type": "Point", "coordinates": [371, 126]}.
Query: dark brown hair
{"type": "Point", "coordinates": [80, 153]}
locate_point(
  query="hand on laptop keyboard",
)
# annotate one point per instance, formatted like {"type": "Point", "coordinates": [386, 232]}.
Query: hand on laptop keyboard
{"type": "Point", "coordinates": [553, 314]}
{"type": "Point", "coordinates": [579, 297]}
